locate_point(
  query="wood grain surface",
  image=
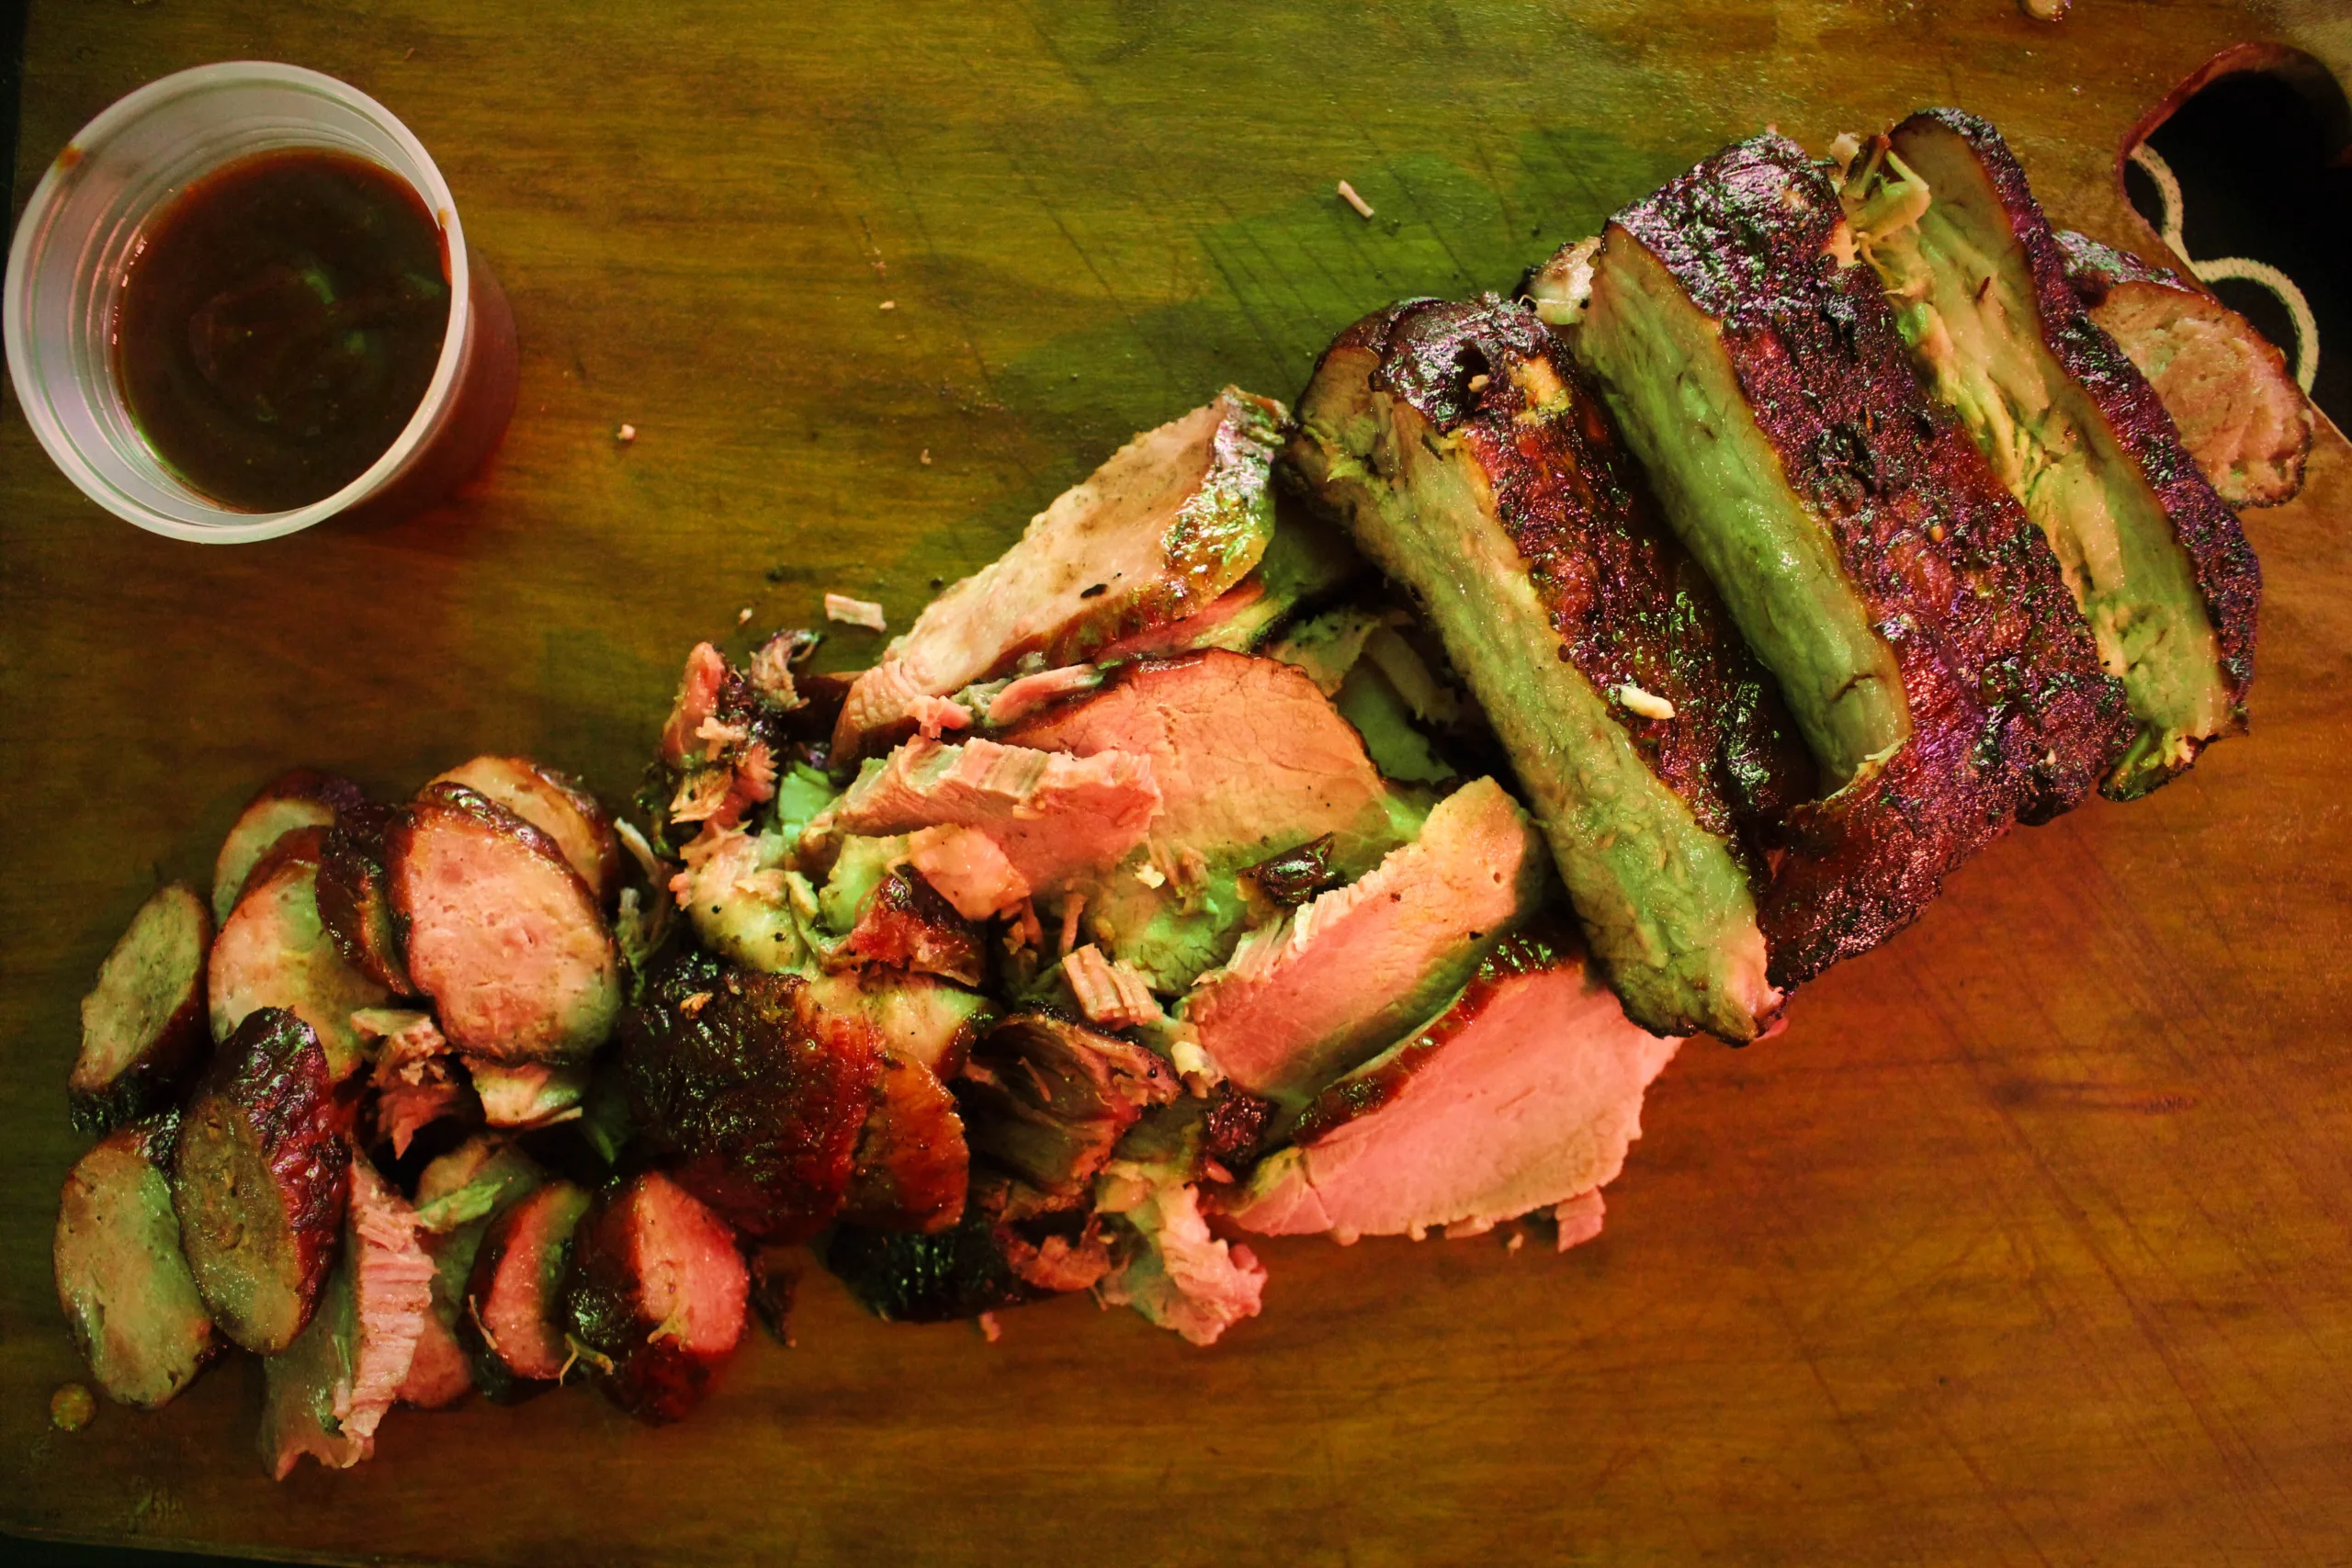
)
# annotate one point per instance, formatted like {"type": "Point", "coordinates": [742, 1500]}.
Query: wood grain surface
{"type": "Point", "coordinates": [2029, 1241]}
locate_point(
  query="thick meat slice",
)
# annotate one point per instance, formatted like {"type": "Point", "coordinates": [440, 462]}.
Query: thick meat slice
{"type": "Point", "coordinates": [1523, 1095]}
{"type": "Point", "coordinates": [259, 1179]}
{"type": "Point", "coordinates": [913, 1166]}
{"type": "Point", "coordinates": [129, 1297]}
{"type": "Point", "coordinates": [513, 1322]}
{"type": "Point", "coordinates": [144, 1033]}
{"type": "Point", "coordinates": [753, 1091]}
{"type": "Point", "coordinates": [1251, 760]}
{"type": "Point", "coordinates": [2226, 386]}
{"type": "Point", "coordinates": [904, 923]}
{"type": "Point", "coordinates": [274, 952]}
{"type": "Point", "coordinates": [1049, 1099]}
{"type": "Point", "coordinates": [656, 1291]}
{"type": "Point", "coordinates": [2154, 557]}
{"type": "Point", "coordinates": [355, 908]}
{"type": "Point", "coordinates": [558, 806]}
{"type": "Point", "coordinates": [457, 1197]}
{"type": "Point", "coordinates": [1055, 817]}
{"type": "Point", "coordinates": [1475, 464]}
{"type": "Point", "coordinates": [1305, 999]}
{"type": "Point", "coordinates": [1177, 517]}
{"type": "Point", "coordinates": [1917, 622]}
{"type": "Point", "coordinates": [301, 797]}
{"type": "Point", "coordinates": [502, 934]}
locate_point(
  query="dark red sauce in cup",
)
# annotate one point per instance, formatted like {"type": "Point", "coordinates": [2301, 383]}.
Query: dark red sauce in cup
{"type": "Point", "coordinates": [279, 324]}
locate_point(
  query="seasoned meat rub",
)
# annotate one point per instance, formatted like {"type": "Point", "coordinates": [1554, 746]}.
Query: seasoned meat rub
{"type": "Point", "coordinates": [1918, 624]}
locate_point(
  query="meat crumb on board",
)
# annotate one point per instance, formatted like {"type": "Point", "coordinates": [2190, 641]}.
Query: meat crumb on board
{"type": "Point", "coordinates": [625, 434]}
{"type": "Point", "coordinates": [852, 612]}
{"type": "Point", "coordinates": [1348, 194]}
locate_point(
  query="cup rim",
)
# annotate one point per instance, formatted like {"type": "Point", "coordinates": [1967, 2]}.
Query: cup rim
{"type": "Point", "coordinates": [32, 395]}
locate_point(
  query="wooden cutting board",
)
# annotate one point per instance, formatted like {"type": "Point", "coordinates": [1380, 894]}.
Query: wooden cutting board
{"type": "Point", "coordinates": [2031, 1239]}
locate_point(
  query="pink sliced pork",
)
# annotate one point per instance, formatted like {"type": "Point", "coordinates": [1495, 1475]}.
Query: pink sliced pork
{"type": "Point", "coordinates": [1347, 973]}
{"type": "Point", "coordinates": [1173, 520]}
{"type": "Point", "coordinates": [1055, 817]}
{"type": "Point", "coordinates": [1524, 1095]}
{"type": "Point", "coordinates": [1251, 760]}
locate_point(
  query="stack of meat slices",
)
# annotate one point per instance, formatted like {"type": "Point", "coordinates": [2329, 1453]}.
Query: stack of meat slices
{"type": "Point", "coordinates": [1793, 453]}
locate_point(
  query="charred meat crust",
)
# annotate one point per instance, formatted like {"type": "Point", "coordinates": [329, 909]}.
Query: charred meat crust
{"type": "Point", "coordinates": [2012, 717]}
{"type": "Point", "coordinates": [129, 1298]}
{"type": "Point", "coordinates": [355, 908]}
{"type": "Point", "coordinates": [512, 1322]}
{"type": "Point", "coordinates": [145, 1027]}
{"type": "Point", "coordinates": [260, 1178]}
{"type": "Point", "coordinates": [1004, 1252]}
{"type": "Point", "coordinates": [657, 1364]}
{"type": "Point", "coordinates": [1630, 605]}
{"type": "Point", "coordinates": [913, 1165]}
{"type": "Point", "coordinates": [753, 1093]}
{"type": "Point", "coordinates": [1049, 1099]}
{"type": "Point", "coordinates": [2227, 574]}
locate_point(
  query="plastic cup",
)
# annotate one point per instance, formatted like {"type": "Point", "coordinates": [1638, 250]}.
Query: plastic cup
{"type": "Point", "coordinates": [68, 260]}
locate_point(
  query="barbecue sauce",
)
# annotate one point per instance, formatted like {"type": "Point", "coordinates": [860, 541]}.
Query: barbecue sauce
{"type": "Point", "coordinates": [278, 325]}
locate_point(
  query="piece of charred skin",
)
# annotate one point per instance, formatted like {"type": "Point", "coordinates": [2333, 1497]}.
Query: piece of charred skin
{"type": "Point", "coordinates": [1918, 623]}
{"type": "Point", "coordinates": [2154, 557]}
{"type": "Point", "coordinates": [514, 1322]}
{"type": "Point", "coordinates": [501, 933]}
{"type": "Point", "coordinates": [753, 1093]}
{"type": "Point", "coordinates": [129, 1297]}
{"type": "Point", "coordinates": [655, 1296]}
{"type": "Point", "coordinates": [144, 1024]}
{"type": "Point", "coordinates": [355, 908]}
{"type": "Point", "coordinates": [1010, 1247]}
{"type": "Point", "coordinates": [259, 1179]}
{"type": "Point", "coordinates": [1291, 877]}
{"type": "Point", "coordinates": [300, 798]}
{"type": "Point", "coordinates": [1048, 1100]}
{"type": "Point", "coordinates": [2227, 388]}
{"type": "Point", "coordinates": [1474, 463]}
{"type": "Point", "coordinates": [913, 1164]}
{"type": "Point", "coordinates": [905, 924]}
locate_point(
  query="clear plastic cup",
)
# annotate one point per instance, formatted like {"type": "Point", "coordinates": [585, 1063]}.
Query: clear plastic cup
{"type": "Point", "coordinates": [67, 265]}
